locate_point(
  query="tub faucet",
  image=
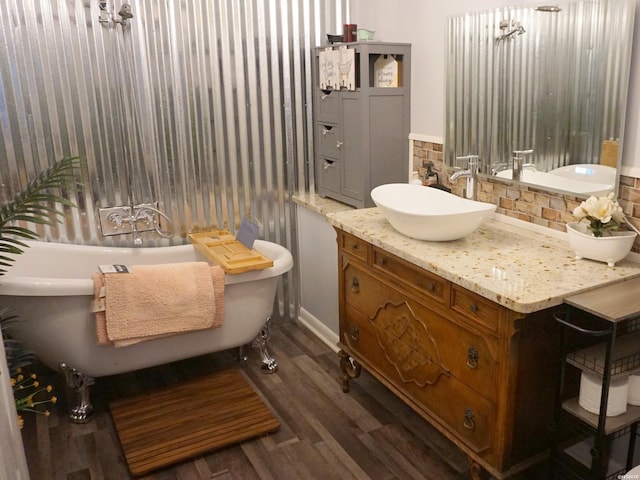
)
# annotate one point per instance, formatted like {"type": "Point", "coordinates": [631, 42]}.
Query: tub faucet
{"type": "Point", "coordinates": [471, 174]}
{"type": "Point", "coordinates": [518, 163]}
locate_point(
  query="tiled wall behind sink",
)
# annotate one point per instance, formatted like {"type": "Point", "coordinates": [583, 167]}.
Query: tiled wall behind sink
{"type": "Point", "coordinates": [552, 210]}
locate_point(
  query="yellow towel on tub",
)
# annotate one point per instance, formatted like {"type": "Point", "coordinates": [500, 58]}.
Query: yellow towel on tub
{"type": "Point", "coordinates": [153, 301]}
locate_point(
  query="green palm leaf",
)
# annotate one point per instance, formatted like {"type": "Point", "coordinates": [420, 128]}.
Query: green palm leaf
{"type": "Point", "coordinates": [16, 354]}
{"type": "Point", "coordinates": [39, 204]}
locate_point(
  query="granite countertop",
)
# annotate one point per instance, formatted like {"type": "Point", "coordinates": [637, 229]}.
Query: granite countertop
{"type": "Point", "coordinates": [518, 268]}
{"type": "Point", "coordinates": [323, 206]}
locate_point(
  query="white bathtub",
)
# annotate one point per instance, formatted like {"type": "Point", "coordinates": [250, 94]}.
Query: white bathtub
{"type": "Point", "coordinates": [50, 288]}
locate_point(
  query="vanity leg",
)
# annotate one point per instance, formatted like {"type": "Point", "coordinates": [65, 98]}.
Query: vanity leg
{"type": "Point", "coordinates": [476, 472]}
{"type": "Point", "coordinates": [350, 369]}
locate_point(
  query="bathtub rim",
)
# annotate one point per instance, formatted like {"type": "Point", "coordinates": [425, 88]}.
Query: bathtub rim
{"type": "Point", "coordinates": [29, 286]}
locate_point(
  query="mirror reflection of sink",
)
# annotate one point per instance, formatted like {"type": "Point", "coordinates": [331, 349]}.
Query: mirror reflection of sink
{"type": "Point", "coordinates": [586, 172]}
{"type": "Point", "coordinates": [426, 213]}
{"type": "Point", "coordinates": [565, 181]}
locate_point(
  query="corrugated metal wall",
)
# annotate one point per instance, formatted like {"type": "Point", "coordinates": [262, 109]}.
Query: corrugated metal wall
{"type": "Point", "coordinates": [202, 106]}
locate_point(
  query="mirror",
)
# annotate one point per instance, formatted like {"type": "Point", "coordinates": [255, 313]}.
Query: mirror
{"type": "Point", "coordinates": [539, 92]}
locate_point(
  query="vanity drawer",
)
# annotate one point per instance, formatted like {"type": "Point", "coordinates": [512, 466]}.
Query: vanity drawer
{"type": "Point", "coordinates": [329, 140]}
{"type": "Point", "coordinates": [409, 331]}
{"type": "Point", "coordinates": [478, 309]}
{"type": "Point", "coordinates": [354, 246]}
{"type": "Point", "coordinates": [462, 411]}
{"type": "Point", "coordinates": [434, 287]}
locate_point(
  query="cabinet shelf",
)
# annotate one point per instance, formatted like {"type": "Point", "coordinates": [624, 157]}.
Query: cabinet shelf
{"type": "Point", "coordinates": [626, 357]}
{"type": "Point", "coordinates": [580, 455]}
{"type": "Point", "coordinates": [613, 424]}
{"type": "Point", "coordinates": [608, 316]}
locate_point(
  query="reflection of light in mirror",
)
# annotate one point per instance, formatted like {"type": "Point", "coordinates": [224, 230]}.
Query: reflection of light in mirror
{"type": "Point", "coordinates": [584, 171]}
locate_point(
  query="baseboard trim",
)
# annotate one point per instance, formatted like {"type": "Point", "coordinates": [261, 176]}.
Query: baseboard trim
{"type": "Point", "coordinates": [319, 329]}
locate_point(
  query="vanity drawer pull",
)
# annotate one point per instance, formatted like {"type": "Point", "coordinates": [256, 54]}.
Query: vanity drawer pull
{"type": "Point", "coordinates": [355, 334]}
{"type": "Point", "coordinates": [472, 358]}
{"type": "Point", "coordinates": [473, 307]}
{"type": "Point", "coordinates": [430, 287]}
{"type": "Point", "coordinates": [355, 285]}
{"type": "Point", "coordinates": [469, 419]}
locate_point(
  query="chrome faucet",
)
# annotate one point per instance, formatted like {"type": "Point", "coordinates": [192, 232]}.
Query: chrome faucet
{"type": "Point", "coordinates": [518, 163]}
{"type": "Point", "coordinates": [470, 173]}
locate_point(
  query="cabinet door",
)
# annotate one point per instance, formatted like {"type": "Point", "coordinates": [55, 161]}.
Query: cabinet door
{"type": "Point", "coordinates": [388, 142]}
{"type": "Point", "coordinates": [354, 176]}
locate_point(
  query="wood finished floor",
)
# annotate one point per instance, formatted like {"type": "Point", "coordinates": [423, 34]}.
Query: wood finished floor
{"type": "Point", "coordinates": [325, 433]}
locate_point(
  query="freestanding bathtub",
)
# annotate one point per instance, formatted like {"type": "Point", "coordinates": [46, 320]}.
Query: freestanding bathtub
{"type": "Point", "coordinates": [50, 289]}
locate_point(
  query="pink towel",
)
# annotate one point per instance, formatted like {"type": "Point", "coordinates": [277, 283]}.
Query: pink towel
{"type": "Point", "coordinates": [153, 301]}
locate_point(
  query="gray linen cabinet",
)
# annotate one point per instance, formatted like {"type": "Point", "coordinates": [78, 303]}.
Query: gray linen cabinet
{"type": "Point", "coordinates": [361, 133]}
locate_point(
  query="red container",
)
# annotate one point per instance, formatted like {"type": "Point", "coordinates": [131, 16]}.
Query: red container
{"type": "Point", "coordinates": [350, 32]}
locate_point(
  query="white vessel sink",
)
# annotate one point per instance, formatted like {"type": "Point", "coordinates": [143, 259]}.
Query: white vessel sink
{"type": "Point", "coordinates": [426, 213]}
{"type": "Point", "coordinates": [563, 182]}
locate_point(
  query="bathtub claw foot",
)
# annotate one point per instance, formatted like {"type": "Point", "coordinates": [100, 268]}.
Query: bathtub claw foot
{"type": "Point", "coordinates": [269, 363]}
{"type": "Point", "coordinates": [77, 380]}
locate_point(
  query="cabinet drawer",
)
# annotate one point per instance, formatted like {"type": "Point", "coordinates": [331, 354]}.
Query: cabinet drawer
{"type": "Point", "coordinates": [328, 107]}
{"type": "Point", "coordinates": [431, 285]}
{"type": "Point", "coordinates": [354, 246]}
{"type": "Point", "coordinates": [459, 409]}
{"type": "Point", "coordinates": [329, 174]}
{"type": "Point", "coordinates": [436, 343]}
{"type": "Point", "coordinates": [329, 142]}
{"type": "Point", "coordinates": [476, 308]}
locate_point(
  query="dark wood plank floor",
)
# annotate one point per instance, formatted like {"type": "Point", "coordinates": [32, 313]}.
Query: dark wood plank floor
{"type": "Point", "coordinates": [325, 433]}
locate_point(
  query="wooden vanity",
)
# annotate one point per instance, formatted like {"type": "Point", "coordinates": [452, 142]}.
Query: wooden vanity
{"type": "Point", "coordinates": [481, 372]}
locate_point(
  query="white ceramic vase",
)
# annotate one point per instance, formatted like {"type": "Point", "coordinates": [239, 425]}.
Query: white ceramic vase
{"type": "Point", "coordinates": [610, 249]}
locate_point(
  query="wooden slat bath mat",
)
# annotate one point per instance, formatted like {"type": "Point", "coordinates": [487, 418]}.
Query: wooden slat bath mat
{"type": "Point", "coordinates": [186, 420]}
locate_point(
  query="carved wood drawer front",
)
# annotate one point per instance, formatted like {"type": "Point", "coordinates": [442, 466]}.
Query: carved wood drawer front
{"type": "Point", "coordinates": [431, 285]}
{"type": "Point", "coordinates": [466, 356]}
{"type": "Point", "coordinates": [478, 309]}
{"type": "Point", "coordinates": [390, 353]}
{"type": "Point", "coordinates": [393, 319]}
{"type": "Point", "coordinates": [354, 246]}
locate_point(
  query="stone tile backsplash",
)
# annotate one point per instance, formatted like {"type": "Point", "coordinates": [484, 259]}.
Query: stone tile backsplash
{"type": "Point", "coordinates": [551, 210]}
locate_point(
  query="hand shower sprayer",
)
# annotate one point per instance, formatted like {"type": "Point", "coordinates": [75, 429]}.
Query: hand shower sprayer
{"type": "Point", "coordinates": [125, 11]}
{"type": "Point", "coordinates": [125, 14]}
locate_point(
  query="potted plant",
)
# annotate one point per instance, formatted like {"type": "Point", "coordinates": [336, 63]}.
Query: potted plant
{"type": "Point", "coordinates": [38, 203]}
{"type": "Point", "coordinates": [596, 234]}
